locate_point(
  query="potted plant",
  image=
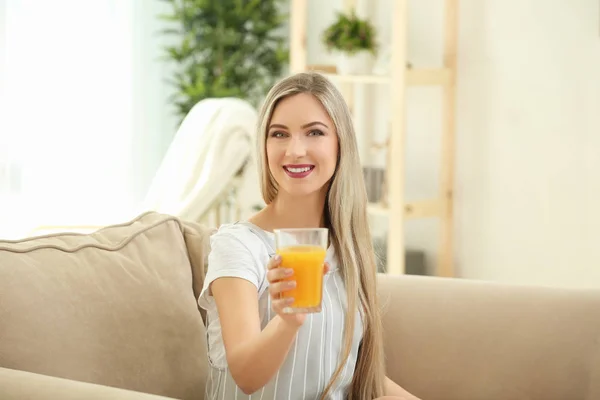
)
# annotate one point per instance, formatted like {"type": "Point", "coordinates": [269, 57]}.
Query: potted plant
{"type": "Point", "coordinates": [225, 48]}
{"type": "Point", "coordinates": [353, 39]}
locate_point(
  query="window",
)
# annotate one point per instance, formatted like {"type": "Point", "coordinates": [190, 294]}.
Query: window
{"type": "Point", "coordinates": [68, 139]}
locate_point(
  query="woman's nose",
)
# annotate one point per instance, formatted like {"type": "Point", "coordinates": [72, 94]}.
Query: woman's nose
{"type": "Point", "coordinates": [296, 147]}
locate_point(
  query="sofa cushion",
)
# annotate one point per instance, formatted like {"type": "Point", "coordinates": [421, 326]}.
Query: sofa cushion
{"type": "Point", "coordinates": [116, 307]}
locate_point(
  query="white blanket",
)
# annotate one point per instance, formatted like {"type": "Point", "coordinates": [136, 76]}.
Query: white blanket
{"type": "Point", "coordinates": [214, 141]}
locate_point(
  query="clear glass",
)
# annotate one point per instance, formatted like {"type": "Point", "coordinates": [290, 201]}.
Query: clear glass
{"type": "Point", "coordinates": [303, 250]}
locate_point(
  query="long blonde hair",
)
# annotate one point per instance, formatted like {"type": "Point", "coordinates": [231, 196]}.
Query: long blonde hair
{"type": "Point", "coordinates": [346, 217]}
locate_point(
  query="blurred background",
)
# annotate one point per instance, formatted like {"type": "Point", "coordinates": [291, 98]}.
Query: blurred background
{"type": "Point", "coordinates": [487, 113]}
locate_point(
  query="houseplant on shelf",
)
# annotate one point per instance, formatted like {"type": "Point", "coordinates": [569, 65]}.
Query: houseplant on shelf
{"type": "Point", "coordinates": [225, 48]}
{"type": "Point", "coordinates": [353, 39]}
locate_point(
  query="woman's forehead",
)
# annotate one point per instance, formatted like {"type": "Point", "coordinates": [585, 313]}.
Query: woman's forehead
{"type": "Point", "coordinates": [300, 109]}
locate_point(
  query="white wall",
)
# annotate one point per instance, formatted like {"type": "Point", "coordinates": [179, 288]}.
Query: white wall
{"type": "Point", "coordinates": [528, 134]}
{"type": "Point", "coordinates": [528, 184]}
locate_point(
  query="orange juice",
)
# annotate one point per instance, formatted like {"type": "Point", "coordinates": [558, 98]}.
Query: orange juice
{"type": "Point", "coordinates": [307, 263]}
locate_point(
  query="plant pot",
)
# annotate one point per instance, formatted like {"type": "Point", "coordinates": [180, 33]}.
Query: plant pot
{"type": "Point", "coordinates": [359, 63]}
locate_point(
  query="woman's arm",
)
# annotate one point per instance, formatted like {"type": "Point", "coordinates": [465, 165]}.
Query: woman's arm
{"type": "Point", "coordinates": [394, 390]}
{"type": "Point", "coordinates": [254, 356]}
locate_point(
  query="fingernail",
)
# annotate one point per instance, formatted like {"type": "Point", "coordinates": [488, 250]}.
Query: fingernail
{"type": "Point", "coordinates": [291, 284]}
{"type": "Point", "coordinates": [288, 310]}
{"type": "Point", "coordinates": [289, 272]}
{"type": "Point", "coordinates": [277, 257]}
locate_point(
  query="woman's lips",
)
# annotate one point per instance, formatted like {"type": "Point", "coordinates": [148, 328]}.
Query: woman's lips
{"type": "Point", "coordinates": [298, 171]}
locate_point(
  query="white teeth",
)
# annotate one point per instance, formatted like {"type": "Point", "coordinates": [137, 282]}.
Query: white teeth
{"type": "Point", "coordinates": [298, 170]}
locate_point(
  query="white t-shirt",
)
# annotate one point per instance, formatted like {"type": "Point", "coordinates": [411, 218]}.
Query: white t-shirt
{"type": "Point", "coordinates": [243, 250]}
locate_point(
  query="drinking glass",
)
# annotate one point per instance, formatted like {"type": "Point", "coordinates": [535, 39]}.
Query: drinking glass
{"type": "Point", "coordinates": [303, 250]}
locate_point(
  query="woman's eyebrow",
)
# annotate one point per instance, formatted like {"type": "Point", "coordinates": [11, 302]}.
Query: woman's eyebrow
{"type": "Point", "coordinates": [303, 126]}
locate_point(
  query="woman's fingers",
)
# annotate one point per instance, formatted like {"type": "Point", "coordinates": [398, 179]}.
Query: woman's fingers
{"type": "Point", "coordinates": [277, 274]}
{"type": "Point", "coordinates": [274, 262]}
{"type": "Point", "coordinates": [280, 304]}
{"type": "Point", "coordinates": [282, 286]}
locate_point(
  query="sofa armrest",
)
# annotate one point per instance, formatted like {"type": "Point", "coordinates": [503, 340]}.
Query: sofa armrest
{"type": "Point", "coordinates": [22, 385]}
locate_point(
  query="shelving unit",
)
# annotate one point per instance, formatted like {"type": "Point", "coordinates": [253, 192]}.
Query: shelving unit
{"type": "Point", "coordinates": [400, 78]}
{"type": "Point", "coordinates": [418, 77]}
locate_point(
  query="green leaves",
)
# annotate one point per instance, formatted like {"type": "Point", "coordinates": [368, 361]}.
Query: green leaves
{"type": "Point", "coordinates": [225, 48]}
{"type": "Point", "coordinates": [350, 34]}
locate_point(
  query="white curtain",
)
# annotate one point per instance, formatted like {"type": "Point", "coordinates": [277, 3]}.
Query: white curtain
{"type": "Point", "coordinates": [69, 132]}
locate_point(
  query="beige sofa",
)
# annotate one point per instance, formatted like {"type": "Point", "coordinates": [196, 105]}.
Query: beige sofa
{"type": "Point", "coordinates": [113, 315]}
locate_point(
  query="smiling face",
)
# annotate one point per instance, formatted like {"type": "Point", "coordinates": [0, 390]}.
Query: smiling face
{"type": "Point", "coordinates": [302, 145]}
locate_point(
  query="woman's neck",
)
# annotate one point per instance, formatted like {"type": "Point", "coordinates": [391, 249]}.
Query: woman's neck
{"type": "Point", "coordinates": [293, 212]}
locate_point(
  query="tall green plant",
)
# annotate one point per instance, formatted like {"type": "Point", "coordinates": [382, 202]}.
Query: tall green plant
{"type": "Point", "coordinates": [225, 48]}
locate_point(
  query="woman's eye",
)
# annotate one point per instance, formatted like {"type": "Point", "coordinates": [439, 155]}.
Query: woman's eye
{"type": "Point", "coordinates": [316, 132]}
{"type": "Point", "coordinates": [277, 134]}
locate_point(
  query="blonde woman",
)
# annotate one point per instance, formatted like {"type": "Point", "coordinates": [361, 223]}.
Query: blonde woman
{"type": "Point", "coordinates": [311, 177]}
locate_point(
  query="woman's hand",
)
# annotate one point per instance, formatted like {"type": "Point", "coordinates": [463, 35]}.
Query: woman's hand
{"type": "Point", "coordinates": [281, 280]}
{"type": "Point", "coordinates": [395, 391]}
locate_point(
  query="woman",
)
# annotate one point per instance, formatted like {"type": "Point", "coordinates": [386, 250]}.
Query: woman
{"type": "Point", "coordinates": [311, 177]}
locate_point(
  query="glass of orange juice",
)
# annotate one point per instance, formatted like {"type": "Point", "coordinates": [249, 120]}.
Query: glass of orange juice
{"type": "Point", "coordinates": [303, 250]}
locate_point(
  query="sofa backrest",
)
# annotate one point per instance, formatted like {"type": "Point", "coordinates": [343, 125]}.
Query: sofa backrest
{"type": "Point", "coordinates": [115, 307]}
{"type": "Point", "coordinates": [457, 339]}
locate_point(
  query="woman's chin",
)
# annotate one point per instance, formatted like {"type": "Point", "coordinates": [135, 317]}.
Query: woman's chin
{"type": "Point", "coordinates": [301, 190]}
